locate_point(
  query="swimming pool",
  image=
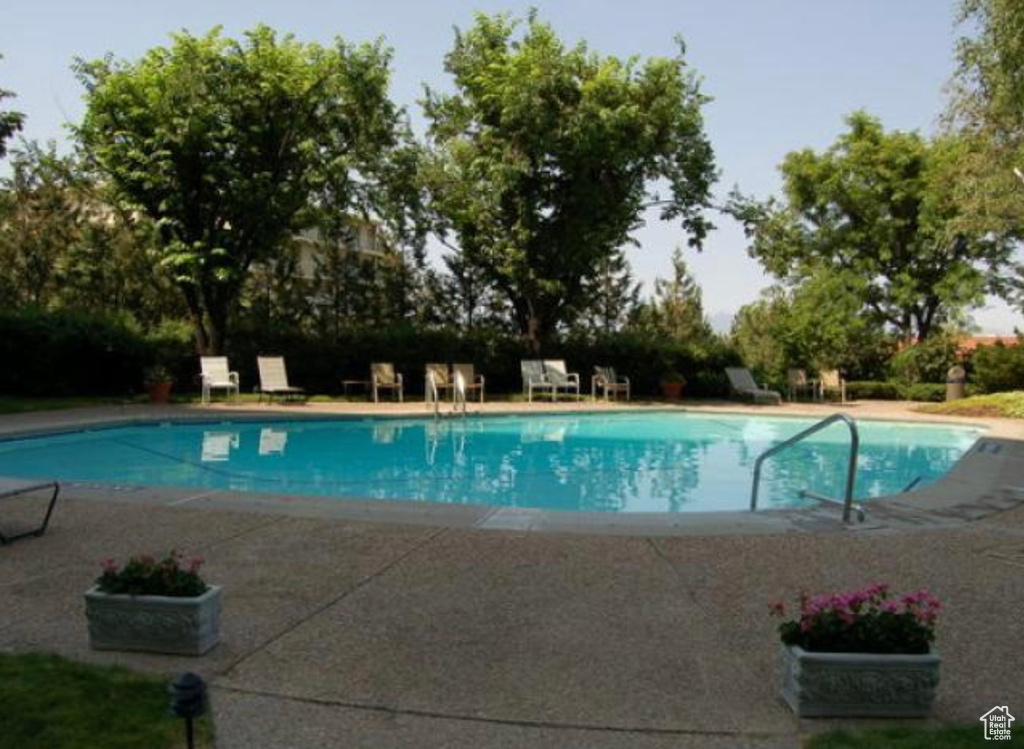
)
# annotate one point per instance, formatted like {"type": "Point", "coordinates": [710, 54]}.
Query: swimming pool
{"type": "Point", "coordinates": [635, 462]}
{"type": "Point", "coordinates": [621, 462]}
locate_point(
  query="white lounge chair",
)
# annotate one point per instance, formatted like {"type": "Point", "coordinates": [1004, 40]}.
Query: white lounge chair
{"type": "Point", "coordinates": [797, 382]}
{"type": "Point", "coordinates": [830, 381]}
{"type": "Point", "coordinates": [470, 379]}
{"type": "Point", "coordinates": [556, 375]}
{"type": "Point", "coordinates": [274, 379]}
{"type": "Point", "coordinates": [743, 384]}
{"type": "Point", "coordinates": [534, 378]}
{"type": "Point", "coordinates": [215, 375]}
{"type": "Point", "coordinates": [608, 383]}
{"type": "Point", "coordinates": [442, 381]}
{"type": "Point", "coordinates": [383, 377]}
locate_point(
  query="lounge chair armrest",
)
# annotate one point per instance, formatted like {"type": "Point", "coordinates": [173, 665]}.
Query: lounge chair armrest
{"type": "Point", "coordinates": [233, 376]}
{"type": "Point", "coordinates": [575, 377]}
{"type": "Point", "coordinates": [625, 380]}
{"type": "Point", "coordinates": [480, 380]}
{"type": "Point", "coordinates": [398, 379]}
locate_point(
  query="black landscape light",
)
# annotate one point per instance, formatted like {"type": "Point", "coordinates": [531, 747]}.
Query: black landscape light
{"type": "Point", "coordinates": [188, 701]}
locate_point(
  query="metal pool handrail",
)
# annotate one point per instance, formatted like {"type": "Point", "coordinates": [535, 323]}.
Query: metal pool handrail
{"type": "Point", "coordinates": [851, 473]}
{"type": "Point", "coordinates": [459, 393]}
{"type": "Point", "coordinates": [432, 394]}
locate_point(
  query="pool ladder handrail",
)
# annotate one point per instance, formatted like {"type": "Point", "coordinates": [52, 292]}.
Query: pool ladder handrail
{"type": "Point", "coordinates": [459, 393]}
{"type": "Point", "coordinates": [851, 472]}
{"type": "Point", "coordinates": [432, 395]}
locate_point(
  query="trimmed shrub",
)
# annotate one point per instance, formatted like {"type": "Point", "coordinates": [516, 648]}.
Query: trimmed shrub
{"type": "Point", "coordinates": [872, 390]}
{"type": "Point", "coordinates": [923, 391]}
{"type": "Point", "coordinates": [998, 368]}
{"type": "Point", "coordinates": [927, 361]}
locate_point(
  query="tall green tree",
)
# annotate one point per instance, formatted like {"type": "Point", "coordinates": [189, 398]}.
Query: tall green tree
{"type": "Point", "coordinates": [611, 295]}
{"type": "Point", "coordinates": [62, 244]}
{"type": "Point", "coordinates": [10, 122]}
{"type": "Point", "coordinates": [876, 206]}
{"type": "Point", "coordinates": [545, 157]}
{"type": "Point", "coordinates": [676, 311]}
{"type": "Point", "coordinates": [816, 325]}
{"type": "Point", "coordinates": [227, 144]}
{"type": "Point", "coordinates": [986, 110]}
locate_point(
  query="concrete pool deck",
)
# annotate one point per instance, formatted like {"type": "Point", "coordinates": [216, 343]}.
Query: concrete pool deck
{"type": "Point", "coordinates": [368, 632]}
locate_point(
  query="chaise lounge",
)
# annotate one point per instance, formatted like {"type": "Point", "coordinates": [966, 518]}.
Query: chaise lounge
{"type": "Point", "coordinates": [743, 385]}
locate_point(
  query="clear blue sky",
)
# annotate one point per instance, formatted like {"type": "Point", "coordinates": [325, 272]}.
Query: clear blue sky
{"type": "Point", "coordinates": [783, 74]}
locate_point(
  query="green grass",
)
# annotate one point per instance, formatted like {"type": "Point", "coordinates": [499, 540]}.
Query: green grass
{"type": "Point", "coordinates": [1008, 405]}
{"type": "Point", "coordinates": [54, 703]}
{"type": "Point", "coordinates": [955, 737]}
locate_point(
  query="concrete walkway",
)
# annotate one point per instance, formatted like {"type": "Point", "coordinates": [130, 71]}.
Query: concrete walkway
{"type": "Point", "coordinates": [378, 634]}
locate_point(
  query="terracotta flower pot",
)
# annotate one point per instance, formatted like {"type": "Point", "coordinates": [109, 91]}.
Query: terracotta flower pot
{"type": "Point", "coordinates": [672, 391]}
{"type": "Point", "coordinates": [159, 392]}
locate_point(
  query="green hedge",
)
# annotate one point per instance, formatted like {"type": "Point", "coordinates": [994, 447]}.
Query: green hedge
{"type": "Point", "coordinates": [889, 390]}
{"type": "Point", "coordinates": [320, 365]}
{"type": "Point", "coordinates": [68, 353]}
{"type": "Point", "coordinates": [872, 390]}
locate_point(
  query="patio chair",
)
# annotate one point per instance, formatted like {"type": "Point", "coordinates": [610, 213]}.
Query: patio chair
{"type": "Point", "coordinates": [608, 383]}
{"type": "Point", "coordinates": [274, 380]}
{"type": "Point", "coordinates": [555, 373]}
{"type": "Point", "coordinates": [830, 381]}
{"type": "Point", "coordinates": [14, 487]}
{"type": "Point", "coordinates": [442, 381]}
{"type": "Point", "coordinates": [215, 375]}
{"type": "Point", "coordinates": [470, 380]}
{"type": "Point", "coordinates": [383, 377]}
{"type": "Point", "coordinates": [742, 383]}
{"type": "Point", "coordinates": [797, 382]}
{"type": "Point", "coordinates": [534, 377]}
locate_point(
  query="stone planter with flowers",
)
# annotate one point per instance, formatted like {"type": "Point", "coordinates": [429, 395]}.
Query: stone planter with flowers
{"type": "Point", "coordinates": [155, 606]}
{"type": "Point", "coordinates": [863, 653]}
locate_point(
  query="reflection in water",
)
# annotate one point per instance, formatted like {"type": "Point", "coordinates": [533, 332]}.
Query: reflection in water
{"type": "Point", "coordinates": [598, 462]}
{"type": "Point", "coordinates": [273, 441]}
{"type": "Point", "coordinates": [217, 446]}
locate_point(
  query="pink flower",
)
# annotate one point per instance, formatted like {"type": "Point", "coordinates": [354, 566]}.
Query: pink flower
{"type": "Point", "coordinates": [194, 563]}
{"type": "Point", "coordinates": [109, 565]}
{"type": "Point", "coordinates": [778, 608]}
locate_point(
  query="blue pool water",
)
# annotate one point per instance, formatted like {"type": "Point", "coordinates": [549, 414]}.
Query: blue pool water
{"type": "Point", "coordinates": [626, 462]}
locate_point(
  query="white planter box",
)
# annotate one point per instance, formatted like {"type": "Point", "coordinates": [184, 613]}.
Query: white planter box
{"type": "Point", "coordinates": [156, 624]}
{"type": "Point", "coordinates": [857, 684]}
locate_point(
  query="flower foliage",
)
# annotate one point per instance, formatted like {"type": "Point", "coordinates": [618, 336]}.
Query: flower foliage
{"type": "Point", "coordinates": [143, 575]}
{"type": "Point", "coordinates": [862, 621]}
